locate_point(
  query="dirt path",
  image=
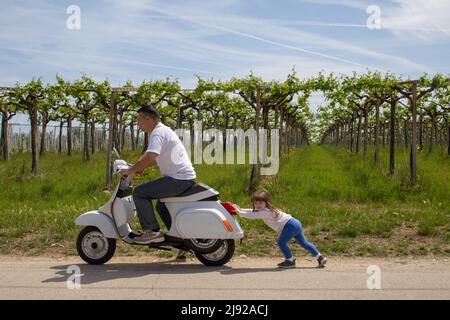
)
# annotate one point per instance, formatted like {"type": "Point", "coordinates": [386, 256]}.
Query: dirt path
{"type": "Point", "coordinates": [149, 277]}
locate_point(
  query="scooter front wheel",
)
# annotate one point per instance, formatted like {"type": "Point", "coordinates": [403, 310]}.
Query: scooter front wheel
{"type": "Point", "coordinates": [93, 247]}
{"type": "Point", "coordinates": [219, 257]}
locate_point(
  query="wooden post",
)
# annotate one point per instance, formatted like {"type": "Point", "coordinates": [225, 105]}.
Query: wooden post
{"type": "Point", "coordinates": [32, 107]}
{"type": "Point", "coordinates": [5, 135]}
{"type": "Point", "coordinates": [420, 130]}
{"type": "Point", "coordinates": [366, 129]}
{"type": "Point", "coordinates": [337, 135]}
{"type": "Point", "coordinates": [280, 149]}
{"type": "Point", "coordinates": [254, 173]}
{"type": "Point", "coordinates": [377, 131]}
{"type": "Point", "coordinates": [112, 116]}
{"type": "Point", "coordinates": [358, 134]}
{"type": "Point", "coordinates": [179, 117]}
{"type": "Point", "coordinates": [351, 131]}
{"type": "Point", "coordinates": [414, 134]}
{"type": "Point", "coordinates": [60, 136]}
{"type": "Point", "coordinates": [69, 135]}
{"type": "Point", "coordinates": [392, 137]}
{"type": "Point", "coordinates": [448, 134]}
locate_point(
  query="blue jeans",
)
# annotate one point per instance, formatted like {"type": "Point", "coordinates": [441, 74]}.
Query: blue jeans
{"type": "Point", "coordinates": [293, 228]}
{"type": "Point", "coordinates": [159, 188]}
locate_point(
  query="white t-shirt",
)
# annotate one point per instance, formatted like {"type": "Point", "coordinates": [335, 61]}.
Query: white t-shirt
{"type": "Point", "coordinates": [276, 223]}
{"type": "Point", "coordinates": [172, 159]}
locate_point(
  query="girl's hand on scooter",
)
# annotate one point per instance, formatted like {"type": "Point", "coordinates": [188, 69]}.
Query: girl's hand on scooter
{"type": "Point", "coordinates": [237, 208]}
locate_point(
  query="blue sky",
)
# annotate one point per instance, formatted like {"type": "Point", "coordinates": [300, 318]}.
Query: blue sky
{"type": "Point", "coordinates": [137, 39]}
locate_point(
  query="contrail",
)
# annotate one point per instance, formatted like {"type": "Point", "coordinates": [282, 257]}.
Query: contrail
{"type": "Point", "coordinates": [113, 59]}
{"type": "Point", "coordinates": [251, 36]}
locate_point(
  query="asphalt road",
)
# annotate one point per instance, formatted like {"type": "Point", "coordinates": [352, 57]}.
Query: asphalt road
{"type": "Point", "coordinates": [243, 278]}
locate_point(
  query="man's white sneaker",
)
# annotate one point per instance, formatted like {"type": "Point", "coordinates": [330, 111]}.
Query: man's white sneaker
{"type": "Point", "coordinates": [149, 236]}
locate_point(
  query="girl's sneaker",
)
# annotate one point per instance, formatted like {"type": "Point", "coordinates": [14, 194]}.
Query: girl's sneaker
{"type": "Point", "coordinates": [322, 261]}
{"type": "Point", "coordinates": [286, 264]}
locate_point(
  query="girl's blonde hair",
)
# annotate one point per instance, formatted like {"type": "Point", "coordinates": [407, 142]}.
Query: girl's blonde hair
{"type": "Point", "coordinates": [264, 195]}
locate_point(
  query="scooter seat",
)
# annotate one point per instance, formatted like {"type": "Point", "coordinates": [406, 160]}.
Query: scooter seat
{"type": "Point", "coordinates": [196, 188]}
{"type": "Point", "coordinates": [198, 192]}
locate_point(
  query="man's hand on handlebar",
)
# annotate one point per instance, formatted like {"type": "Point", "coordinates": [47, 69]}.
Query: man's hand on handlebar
{"type": "Point", "coordinates": [124, 172]}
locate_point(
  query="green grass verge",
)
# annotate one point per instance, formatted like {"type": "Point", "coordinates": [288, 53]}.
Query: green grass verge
{"type": "Point", "coordinates": [348, 205]}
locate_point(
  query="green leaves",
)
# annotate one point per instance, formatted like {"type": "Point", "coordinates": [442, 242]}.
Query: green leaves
{"type": "Point", "coordinates": [346, 96]}
{"type": "Point", "coordinates": [349, 94]}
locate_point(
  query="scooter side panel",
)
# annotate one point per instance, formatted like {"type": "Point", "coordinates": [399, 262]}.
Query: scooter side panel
{"type": "Point", "coordinates": [199, 223]}
{"type": "Point", "coordinates": [99, 220]}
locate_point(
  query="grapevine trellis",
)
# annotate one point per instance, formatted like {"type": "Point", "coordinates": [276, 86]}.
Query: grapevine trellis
{"type": "Point", "coordinates": [239, 103]}
{"type": "Point", "coordinates": [369, 106]}
{"type": "Point", "coordinates": [360, 110]}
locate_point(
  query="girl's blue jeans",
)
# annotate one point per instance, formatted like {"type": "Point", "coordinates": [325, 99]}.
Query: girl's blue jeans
{"type": "Point", "coordinates": [293, 228]}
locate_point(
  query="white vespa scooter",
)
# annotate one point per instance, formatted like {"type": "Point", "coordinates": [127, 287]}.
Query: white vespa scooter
{"type": "Point", "coordinates": [200, 223]}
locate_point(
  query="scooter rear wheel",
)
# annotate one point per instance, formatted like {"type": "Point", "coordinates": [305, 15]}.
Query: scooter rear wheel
{"type": "Point", "coordinates": [204, 245]}
{"type": "Point", "coordinates": [219, 257]}
{"type": "Point", "coordinates": [93, 247]}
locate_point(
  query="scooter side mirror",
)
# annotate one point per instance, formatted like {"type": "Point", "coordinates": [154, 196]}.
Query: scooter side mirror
{"type": "Point", "coordinates": [119, 165]}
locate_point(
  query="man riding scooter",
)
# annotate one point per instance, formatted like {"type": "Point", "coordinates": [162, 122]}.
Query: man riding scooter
{"type": "Point", "coordinates": [167, 151]}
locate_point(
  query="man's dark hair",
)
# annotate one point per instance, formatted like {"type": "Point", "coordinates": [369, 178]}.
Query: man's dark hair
{"type": "Point", "coordinates": [149, 110]}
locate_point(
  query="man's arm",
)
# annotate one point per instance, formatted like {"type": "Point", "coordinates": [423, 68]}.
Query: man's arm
{"type": "Point", "coordinates": [148, 159]}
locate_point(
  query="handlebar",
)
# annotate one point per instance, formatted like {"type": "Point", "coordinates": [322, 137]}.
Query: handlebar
{"type": "Point", "coordinates": [123, 165]}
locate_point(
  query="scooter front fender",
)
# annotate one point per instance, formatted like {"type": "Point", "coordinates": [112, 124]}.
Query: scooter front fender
{"type": "Point", "coordinates": [99, 220]}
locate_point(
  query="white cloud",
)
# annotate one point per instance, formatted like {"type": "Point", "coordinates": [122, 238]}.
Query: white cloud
{"type": "Point", "coordinates": [427, 20]}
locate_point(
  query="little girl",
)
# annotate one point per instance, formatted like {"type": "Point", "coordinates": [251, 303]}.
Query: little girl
{"type": "Point", "coordinates": [284, 224]}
